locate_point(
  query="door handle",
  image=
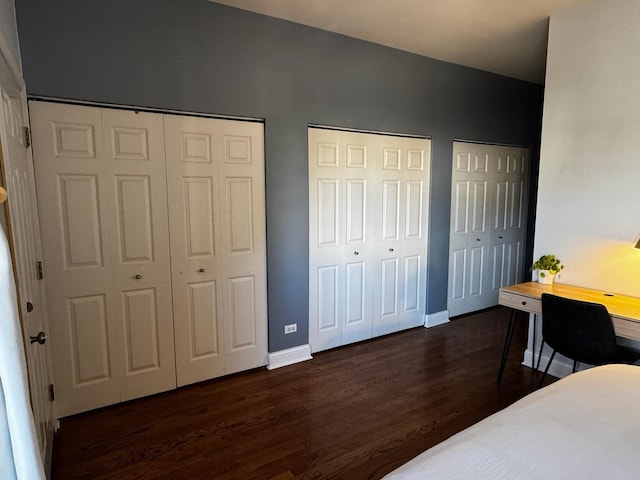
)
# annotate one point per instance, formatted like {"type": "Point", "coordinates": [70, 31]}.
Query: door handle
{"type": "Point", "coordinates": [138, 276]}
{"type": "Point", "coordinates": [391, 249]}
{"type": "Point", "coordinates": [356, 253]}
{"type": "Point", "coordinates": [29, 307]}
{"type": "Point", "coordinates": [41, 338]}
{"type": "Point", "coordinates": [201, 270]}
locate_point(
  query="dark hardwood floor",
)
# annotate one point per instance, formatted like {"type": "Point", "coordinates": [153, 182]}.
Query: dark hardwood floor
{"type": "Point", "coordinates": [356, 412]}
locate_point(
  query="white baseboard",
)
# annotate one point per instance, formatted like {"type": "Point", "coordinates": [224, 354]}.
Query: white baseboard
{"type": "Point", "coordinates": [289, 356]}
{"type": "Point", "coordinates": [435, 319]}
{"type": "Point", "coordinates": [561, 366]}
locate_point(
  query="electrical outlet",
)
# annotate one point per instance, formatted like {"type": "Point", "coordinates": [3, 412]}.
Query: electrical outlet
{"type": "Point", "coordinates": [291, 328]}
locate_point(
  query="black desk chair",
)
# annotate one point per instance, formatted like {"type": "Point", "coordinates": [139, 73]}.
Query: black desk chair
{"type": "Point", "coordinates": [581, 331]}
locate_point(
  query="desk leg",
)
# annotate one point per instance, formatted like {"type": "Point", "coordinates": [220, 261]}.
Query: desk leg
{"type": "Point", "coordinates": [507, 343]}
{"type": "Point", "coordinates": [533, 345]}
{"type": "Point", "coordinates": [540, 353]}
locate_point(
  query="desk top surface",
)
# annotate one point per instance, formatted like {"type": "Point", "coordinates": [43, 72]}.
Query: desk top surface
{"type": "Point", "coordinates": [618, 305]}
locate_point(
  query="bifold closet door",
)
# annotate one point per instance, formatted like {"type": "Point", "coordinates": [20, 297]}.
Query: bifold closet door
{"type": "Point", "coordinates": [488, 223]}
{"type": "Point", "coordinates": [368, 203]}
{"type": "Point", "coordinates": [401, 207]}
{"type": "Point", "coordinates": [103, 213]}
{"type": "Point", "coordinates": [218, 250]}
{"type": "Point", "coordinates": [341, 233]}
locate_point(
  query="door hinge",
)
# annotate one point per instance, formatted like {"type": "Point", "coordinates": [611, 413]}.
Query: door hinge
{"type": "Point", "coordinates": [52, 393]}
{"type": "Point", "coordinates": [39, 270]}
{"type": "Point", "coordinates": [27, 137]}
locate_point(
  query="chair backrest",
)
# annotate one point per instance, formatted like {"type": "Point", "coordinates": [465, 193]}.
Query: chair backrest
{"type": "Point", "coordinates": [581, 331]}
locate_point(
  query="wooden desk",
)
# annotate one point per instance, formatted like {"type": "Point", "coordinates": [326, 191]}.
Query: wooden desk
{"type": "Point", "coordinates": [525, 297]}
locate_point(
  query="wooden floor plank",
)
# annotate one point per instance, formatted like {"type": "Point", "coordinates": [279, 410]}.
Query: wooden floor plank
{"type": "Point", "coordinates": [355, 412]}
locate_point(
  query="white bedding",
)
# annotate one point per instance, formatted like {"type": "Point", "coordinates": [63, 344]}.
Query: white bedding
{"type": "Point", "coordinates": [585, 426]}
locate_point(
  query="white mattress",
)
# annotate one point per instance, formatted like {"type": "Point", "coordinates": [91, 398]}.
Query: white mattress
{"type": "Point", "coordinates": [585, 426]}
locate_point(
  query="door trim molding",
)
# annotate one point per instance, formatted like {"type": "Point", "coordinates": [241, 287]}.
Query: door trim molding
{"type": "Point", "coordinates": [289, 356]}
{"type": "Point", "coordinates": [371, 132]}
{"type": "Point", "coordinates": [115, 106]}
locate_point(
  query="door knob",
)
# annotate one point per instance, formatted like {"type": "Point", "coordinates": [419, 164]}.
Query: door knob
{"type": "Point", "coordinates": [29, 307]}
{"type": "Point", "coordinates": [138, 276]}
{"type": "Point", "coordinates": [201, 270]}
{"type": "Point", "coordinates": [41, 338]}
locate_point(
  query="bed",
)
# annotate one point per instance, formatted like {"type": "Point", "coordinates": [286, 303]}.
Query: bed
{"type": "Point", "coordinates": [585, 426]}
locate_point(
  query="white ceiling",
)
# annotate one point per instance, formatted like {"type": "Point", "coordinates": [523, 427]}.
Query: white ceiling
{"type": "Point", "coordinates": [508, 37]}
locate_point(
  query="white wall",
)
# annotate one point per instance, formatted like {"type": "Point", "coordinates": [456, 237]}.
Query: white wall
{"type": "Point", "coordinates": [8, 47]}
{"type": "Point", "coordinates": [8, 28]}
{"type": "Point", "coordinates": [588, 211]}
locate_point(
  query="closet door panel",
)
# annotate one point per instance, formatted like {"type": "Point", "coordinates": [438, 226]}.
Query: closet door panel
{"type": "Point", "coordinates": [101, 187]}
{"type": "Point", "coordinates": [89, 340]}
{"type": "Point", "coordinates": [198, 194]}
{"type": "Point", "coordinates": [81, 229]}
{"type": "Point", "coordinates": [216, 185]}
{"type": "Point", "coordinates": [203, 319]}
{"type": "Point", "coordinates": [389, 195]}
{"type": "Point", "coordinates": [356, 217]}
{"type": "Point", "coordinates": [412, 283]}
{"type": "Point", "coordinates": [139, 239]}
{"type": "Point", "coordinates": [403, 207]}
{"type": "Point", "coordinates": [469, 241]}
{"type": "Point", "coordinates": [243, 239]}
{"type": "Point", "coordinates": [133, 203]}
{"type": "Point", "coordinates": [141, 331]}
{"type": "Point", "coordinates": [239, 200]}
{"type": "Point", "coordinates": [192, 183]}
{"type": "Point", "coordinates": [326, 239]}
{"type": "Point", "coordinates": [509, 222]}
{"type": "Point", "coordinates": [86, 338]}
{"type": "Point", "coordinates": [416, 180]}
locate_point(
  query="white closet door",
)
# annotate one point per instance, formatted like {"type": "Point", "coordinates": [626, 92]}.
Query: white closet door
{"type": "Point", "coordinates": [401, 207]}
{"type": "Point", "coordinates": [140, 268]}
{"type": "Point", "coordinates": [340, 238]}
{"type": "Point", "coordinates": [470, 228]}
{"type": "Point", "coordinates": [103, 215]}
{"type": "Point", "coordinates": [192, 182]}
{"type": "Point", "coordinates": [509, 219]}
{"type": "Point", "coordinates": [216, 186]}
{"type": "Point", "coordinates": [243, 243]}
{"type": "Point", "coordinates": [488, 221]}
{"type": "Point", "coordinates": [367, 235]}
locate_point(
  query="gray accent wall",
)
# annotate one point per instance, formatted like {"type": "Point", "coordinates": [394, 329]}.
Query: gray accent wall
{"type": "Point", "coordinates": [199, 56]}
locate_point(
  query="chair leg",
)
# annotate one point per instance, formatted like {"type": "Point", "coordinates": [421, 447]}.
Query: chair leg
{"type": "Point", "coordinates": [540, 353]}
{"type": "Point", "coordinates": [553, 354]}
